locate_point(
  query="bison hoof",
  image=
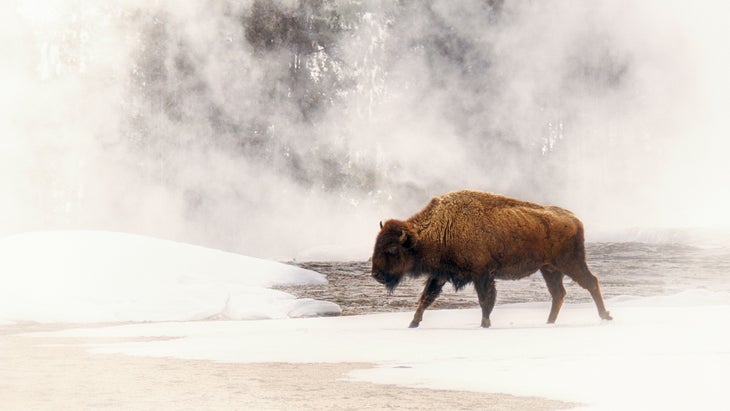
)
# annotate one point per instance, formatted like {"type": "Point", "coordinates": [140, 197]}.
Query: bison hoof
{"type": "Point", "coordinates": [606, 316]}
{"type": "Point", "coordinates": [413, 324]}
{"type": "Point", "coordinates": [486, 323]}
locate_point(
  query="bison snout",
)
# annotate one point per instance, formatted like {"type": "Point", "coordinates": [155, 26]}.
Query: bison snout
{"type": "Point", "coordinates": [390, 281]}
{"type": "Point", "coordinates": [378, 276]}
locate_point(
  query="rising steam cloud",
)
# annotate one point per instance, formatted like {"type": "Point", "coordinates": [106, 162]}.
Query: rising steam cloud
{"type": "Point", "coordinates": [272, 128]}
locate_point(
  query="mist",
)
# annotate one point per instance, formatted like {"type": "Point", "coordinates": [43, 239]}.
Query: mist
{"type": "Point", "coordinates": [288, 129]}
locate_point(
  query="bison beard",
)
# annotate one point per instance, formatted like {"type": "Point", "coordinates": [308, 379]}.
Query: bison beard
{"type": "Point", "coordinates": [474, 237]}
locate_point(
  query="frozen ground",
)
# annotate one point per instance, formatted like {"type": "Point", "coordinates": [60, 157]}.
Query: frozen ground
{"type": "Point", "coordinates": [664, 352]}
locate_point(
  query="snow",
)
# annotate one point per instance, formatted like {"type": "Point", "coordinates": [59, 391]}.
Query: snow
{"type": "Point", "coordinates": [666, 352]}
{"type": "Point", "coordinates": [89, 276]}
{"type": "Point", "coordinates": [669, 352]}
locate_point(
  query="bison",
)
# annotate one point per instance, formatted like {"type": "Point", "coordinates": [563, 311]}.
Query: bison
{"type": "Point", "coordinates": [476, 237]}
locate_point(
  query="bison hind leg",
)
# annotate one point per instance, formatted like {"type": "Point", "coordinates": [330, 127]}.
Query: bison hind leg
{"type": "Point", "coordinates": [554, 280]}
{"type": "Point", "coordinates": [579, 272]}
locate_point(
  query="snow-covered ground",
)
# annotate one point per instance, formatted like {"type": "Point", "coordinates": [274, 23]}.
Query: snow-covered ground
{"type": "Point", "coordinates": [669, 352]}
{"type": "Point", "coordinates": [95, 276]}
{"type": "Point", "coordinates": [659, 353]}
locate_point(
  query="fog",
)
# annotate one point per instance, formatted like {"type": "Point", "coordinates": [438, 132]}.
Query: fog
{"type": "Point", "coordinates": [288, 129]}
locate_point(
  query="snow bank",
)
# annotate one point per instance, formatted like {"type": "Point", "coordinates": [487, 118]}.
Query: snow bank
{"type": "Point", "coordinates": [85, 276]}
{"type": "Point", "coordinates": [659, 353]}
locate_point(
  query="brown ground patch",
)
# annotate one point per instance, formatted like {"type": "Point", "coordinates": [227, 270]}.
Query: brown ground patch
{"type": "Point", "coordinates": [56, 374]}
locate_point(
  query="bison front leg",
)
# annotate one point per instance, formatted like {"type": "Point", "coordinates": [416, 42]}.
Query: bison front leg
{"type": "Point", "coordinates": [487, 293]}
{"type": "Point", "coordinates": [430, 293]}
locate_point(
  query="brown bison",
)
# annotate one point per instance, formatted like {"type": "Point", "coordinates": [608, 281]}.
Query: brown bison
{"type": "Point", "coordinates": [474, 237]}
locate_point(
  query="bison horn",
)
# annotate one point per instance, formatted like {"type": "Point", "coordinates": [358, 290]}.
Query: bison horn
{"type": "Point", "coordinates": [381, 225]}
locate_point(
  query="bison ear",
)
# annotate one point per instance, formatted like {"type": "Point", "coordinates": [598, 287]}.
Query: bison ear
{"type": "Point", "coordinates": [406, 239]}
{"type": "Point", "coordinates": [381, 225]}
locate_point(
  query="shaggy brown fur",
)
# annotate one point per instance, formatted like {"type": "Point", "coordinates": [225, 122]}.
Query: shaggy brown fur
{"type": "Point", "coordinates": [474, 237]}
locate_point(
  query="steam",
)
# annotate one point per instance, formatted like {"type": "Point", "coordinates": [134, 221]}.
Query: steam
{"type": "Point", "coordinates": [275, 128]}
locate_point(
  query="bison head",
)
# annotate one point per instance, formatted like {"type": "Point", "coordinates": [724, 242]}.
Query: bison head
{"type": "Point", "coordinates": [394, 254]}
